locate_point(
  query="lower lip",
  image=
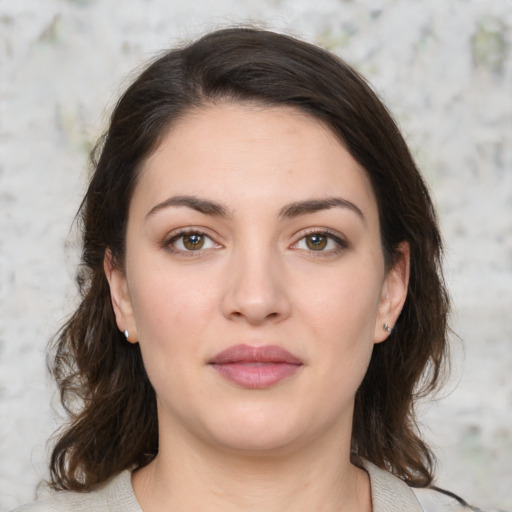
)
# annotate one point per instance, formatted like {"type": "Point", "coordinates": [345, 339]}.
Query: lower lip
{"type": "Point", "coordinates": [256, 375]}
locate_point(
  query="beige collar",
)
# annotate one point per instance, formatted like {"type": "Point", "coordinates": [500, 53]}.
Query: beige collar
{"type": "Point", "coordinates": [389, 493]}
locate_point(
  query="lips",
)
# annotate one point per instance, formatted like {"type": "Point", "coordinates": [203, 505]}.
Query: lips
{"type": "Point", "coordinates": [255, 367]}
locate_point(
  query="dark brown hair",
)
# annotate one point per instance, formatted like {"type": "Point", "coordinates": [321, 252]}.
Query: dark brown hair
{"type": "Point", "coordinates": [103, 384]}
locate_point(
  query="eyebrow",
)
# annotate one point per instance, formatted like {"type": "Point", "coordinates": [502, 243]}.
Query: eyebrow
{"type": "Point", "coordinates": [196, 203]}
{"type": "Point", "coordinates": [298, 208]}
{"type": "Point", "coordinates": [289, 211]}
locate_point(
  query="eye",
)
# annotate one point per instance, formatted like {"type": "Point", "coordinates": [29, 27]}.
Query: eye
{"type": "Point", "coordinates": [316, 241]}
{"type": "Point", "coordinates": [190, 241]}
{"type": "Point", "coordinates": [320, 241]}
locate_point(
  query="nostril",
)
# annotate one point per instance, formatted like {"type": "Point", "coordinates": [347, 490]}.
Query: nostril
{"type": "Point", "coordinates": [236, 315]}
{"type": "Point", "coordinates": [255, 300]}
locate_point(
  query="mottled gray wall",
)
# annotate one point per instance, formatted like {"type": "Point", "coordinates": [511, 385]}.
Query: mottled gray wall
{"type": "Point", "coordinates": [443, 66]}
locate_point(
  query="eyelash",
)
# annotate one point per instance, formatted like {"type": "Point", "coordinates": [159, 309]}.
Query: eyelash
{"type": "Point", "coordinates": [341, 244]}
{"type": "Point", "coordinates": [168, 244]}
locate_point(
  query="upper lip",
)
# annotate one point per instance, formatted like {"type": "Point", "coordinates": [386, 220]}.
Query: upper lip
{"type": "Point", "coordinates": [255, 354]}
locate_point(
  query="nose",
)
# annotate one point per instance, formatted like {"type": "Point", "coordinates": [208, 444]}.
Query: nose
{"type": "Point", "coordinates": [256, 290]}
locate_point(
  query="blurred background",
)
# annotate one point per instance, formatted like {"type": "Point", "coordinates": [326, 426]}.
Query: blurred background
{"type": "Point", "coordinates": [444, 68]}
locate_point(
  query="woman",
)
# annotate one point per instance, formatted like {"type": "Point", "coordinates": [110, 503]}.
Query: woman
{"type": "Point", "coordinates": [262, 298]}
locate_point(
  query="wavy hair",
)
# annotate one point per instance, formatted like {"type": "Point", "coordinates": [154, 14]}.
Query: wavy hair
{"type": "Point", "coordinates": [103, 385]}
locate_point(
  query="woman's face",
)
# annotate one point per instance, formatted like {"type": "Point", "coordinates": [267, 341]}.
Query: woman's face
{"type": "Point", "coordinates": [254, 279]}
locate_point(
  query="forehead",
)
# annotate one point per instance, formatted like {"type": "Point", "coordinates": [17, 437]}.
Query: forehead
{"type": "Point", "coordinates": [240, 154]}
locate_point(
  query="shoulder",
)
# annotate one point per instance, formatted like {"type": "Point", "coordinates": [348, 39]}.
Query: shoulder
{"type": "Point", "coordinates": [389, 493]}
{"type": "Point", "coordinates": [433, 500]}
{"type": "Point", "coordinates": [116, 495]}
{"type": "Point", "coordinates": [65, 501]}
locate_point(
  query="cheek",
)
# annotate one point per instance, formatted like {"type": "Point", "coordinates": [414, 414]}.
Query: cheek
{"type": "Point", "coordinates": [172, 313]}
{"type": "Point", "coordinates": [344, 301]}
{"type": "Point", "coordinates": [169, 304]}
{"type": "Point", "coordinates": [339, 315]}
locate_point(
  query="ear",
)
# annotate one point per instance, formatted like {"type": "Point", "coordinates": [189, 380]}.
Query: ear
{"type": "Point", "coordinates": [394, 292]}
{"type": "Point", "coordinates": [120, 297]}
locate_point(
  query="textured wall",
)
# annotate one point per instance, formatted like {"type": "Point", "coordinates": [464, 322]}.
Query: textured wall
{"type": "Point", "coordinates": [443, 66]}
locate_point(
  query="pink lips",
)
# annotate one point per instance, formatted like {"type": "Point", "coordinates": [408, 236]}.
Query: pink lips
{"type": "Point", "coordinates": [255, 367]}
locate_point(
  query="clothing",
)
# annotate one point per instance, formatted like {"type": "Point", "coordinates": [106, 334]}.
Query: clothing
{"type": "Point", "coordinates": [389, 494]}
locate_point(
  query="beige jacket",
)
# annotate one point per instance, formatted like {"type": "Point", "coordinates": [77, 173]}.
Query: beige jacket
{"type": "Point", "coordinates": [389, 494]}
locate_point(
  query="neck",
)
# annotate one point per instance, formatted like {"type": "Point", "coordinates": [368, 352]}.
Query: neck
{"type": "Point", "coordinates": [315, 477]}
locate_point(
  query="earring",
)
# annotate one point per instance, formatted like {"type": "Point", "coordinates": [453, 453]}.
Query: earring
{"type": "Point", "coordinates": [387, 328]}
{"type": "Point", "coordinates": [127, 335]}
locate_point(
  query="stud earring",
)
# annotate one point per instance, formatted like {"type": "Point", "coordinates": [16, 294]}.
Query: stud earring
{"type": "Point", "coordinates": [127, 335]}
{"type": "Point", "coordinates": [387, 328]}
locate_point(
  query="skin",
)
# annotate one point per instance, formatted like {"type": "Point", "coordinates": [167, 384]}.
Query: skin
{"type": "Point", "coordinates": [254, 281]}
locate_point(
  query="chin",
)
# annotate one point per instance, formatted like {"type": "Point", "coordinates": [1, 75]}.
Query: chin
{"type": "Point", "coordinates": [263, 442]}
{"type": "Point", "coordinates": [258, 432]}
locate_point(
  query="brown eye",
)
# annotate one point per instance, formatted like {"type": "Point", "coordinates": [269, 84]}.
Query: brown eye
{"type": "Point", "coordinates": [322, 243]}
{"type": "Point", "coordinates": [190, 242]}
{"type": "Point", "coordinates": [316, 242]}
{"type": "Point", "coordinates": [193, 241]}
